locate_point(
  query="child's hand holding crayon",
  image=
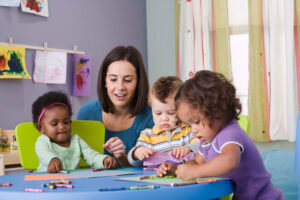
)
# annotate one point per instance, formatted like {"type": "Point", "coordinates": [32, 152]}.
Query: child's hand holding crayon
{"type": "Point", "coordinates": [110, 162]}
{"type": "Point", "coordinates": [55, 166]}
{"type": "Point", "coordinates": [166, 169]}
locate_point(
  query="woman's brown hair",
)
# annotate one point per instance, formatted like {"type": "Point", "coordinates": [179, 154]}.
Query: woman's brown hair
{"type": "Point", "coordinates": [132, 55]}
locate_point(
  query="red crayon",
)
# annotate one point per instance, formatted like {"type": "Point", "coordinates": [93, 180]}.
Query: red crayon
{"type": "Point", "coordinates": [33, 190]}
{"type": "Point", "coordinates": [5, 184]}
{"type": "Point", "coordinates": [144, 177]}
{"type": "Point", "coordinates": [96, 170]}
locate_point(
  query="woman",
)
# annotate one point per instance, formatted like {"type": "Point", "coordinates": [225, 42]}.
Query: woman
{"type": "Point", "coordinates": [122, 101]}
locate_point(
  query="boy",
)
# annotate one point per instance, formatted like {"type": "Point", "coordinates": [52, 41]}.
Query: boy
{"type": "Point", "coordinates": [168, 133]}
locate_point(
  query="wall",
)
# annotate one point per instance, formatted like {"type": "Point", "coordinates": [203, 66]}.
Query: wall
{"type": "Point", "coordinates": [96, 26]}
{"type": "Point", "coordinates": [161, 38]}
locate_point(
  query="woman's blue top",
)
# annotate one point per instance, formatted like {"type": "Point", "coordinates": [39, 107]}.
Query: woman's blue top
{"type": "Point", "coordinates": [92, 110]}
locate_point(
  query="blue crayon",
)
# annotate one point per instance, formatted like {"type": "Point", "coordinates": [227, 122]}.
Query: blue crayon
{"type": "Point", "coordinates": [112, 189]}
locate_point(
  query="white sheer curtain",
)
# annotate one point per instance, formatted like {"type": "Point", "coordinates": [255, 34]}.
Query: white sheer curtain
{"type": "Point", "coordinates": [278, 18]}
{"type": "Point", "coordinates": [194, 37]}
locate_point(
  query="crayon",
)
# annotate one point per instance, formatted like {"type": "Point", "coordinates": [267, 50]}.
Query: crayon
{"type": "Point", "coordinates": [62, 181]}
{"type": "Point", "coordinates": [5, 184]}
{"type": "Point", "coordinates": [150, 169]}
{"type": "Point", "coordinates": [97, 170]}
{"type": "Point", "coordinates": [64, 172]}
{"type": "Point", "coordinates": [130, 188]}
{"type": "Point", "coordinates": [183, 161]}
{"type": "Point", "coordinates": [144, 177]}
{"type": "Point", "coordinates": [112, 189]}
{"type": "Point", "coordinates": [64, 185]}
{"type": "Point", "coordinates": [50, 185]}
{"type": "Point", "coordinates": [206, 181]}
{"type": "Point", "coordinates": [142, 187]}
{"type": "Point", "coordinates": [184, 183]}
{"type": "Point", "coordinates": [33, 190]}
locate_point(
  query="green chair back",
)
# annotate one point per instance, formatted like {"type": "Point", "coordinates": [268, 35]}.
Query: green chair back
{"type": "Point", "coordinates": [244, 123]}
{"type": "Point", "coordinates": [92, 132]}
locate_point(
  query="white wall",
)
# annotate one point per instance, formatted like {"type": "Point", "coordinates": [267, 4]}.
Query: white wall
{"type": "Point", "coordinates": [160, 15]}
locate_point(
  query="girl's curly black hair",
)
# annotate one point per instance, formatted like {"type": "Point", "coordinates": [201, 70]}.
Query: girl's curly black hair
{"type": "Point", "coordinates": [212, 94]}
{"type": "Point", "coordinates": [47, 99]}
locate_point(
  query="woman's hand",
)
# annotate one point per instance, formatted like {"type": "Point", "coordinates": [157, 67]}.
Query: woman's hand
{"type": "Point", "coordinates": [115, 146]}
{"type": "Point", "coordinates": [110, 163]}
{"type": "Point", "coordinates": [55, 166]}
{"type": "Point", "coordinates": [166, 169]}
{"type": "Point", "coordinates": [142, 153]}
{"type": "Point", "coordinates": [180, 152]}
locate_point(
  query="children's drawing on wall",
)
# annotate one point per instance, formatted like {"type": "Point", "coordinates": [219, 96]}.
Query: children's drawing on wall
{"type": "Point", "coordinates": [12, 63]}
{"type": "Point", "coordinates": [38, 7]}
{"type": "Point", "coordinates": [81, 75]}
{"type": "Point", "coordinates": [50, 67]}
{"type": "Point", "coordinates": [11, 3]}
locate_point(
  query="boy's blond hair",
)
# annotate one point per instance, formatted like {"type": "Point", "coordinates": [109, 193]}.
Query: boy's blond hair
{"type": "Point", "coordinates": [164, 87]}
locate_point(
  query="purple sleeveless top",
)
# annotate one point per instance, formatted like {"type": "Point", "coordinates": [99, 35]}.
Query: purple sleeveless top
{"type": "Point", "coordinates": [251, 179]}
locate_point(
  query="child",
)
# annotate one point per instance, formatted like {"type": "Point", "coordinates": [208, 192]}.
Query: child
{"type": "Point", "coordinates": [168, 134]}
{"type": "Point", "coordinates": [208, 103]}
{"type": "Point", "coordinates": [56, 148]}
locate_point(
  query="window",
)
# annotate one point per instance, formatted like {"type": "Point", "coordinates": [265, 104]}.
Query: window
{"type": "Point", "coordinates": [239, 40]}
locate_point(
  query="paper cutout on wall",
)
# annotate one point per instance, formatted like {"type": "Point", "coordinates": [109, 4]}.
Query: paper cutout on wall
{"type": "Point", "coordinates": [11, 3]}
{"type": "Point", "coordinates": [38, 7]}
{"type": "Point", "coordinates": [81, 75]}
{"type": "Point", "coordinates": [50, 67]}
{"type": "Point", "coordinates": [12, 63]}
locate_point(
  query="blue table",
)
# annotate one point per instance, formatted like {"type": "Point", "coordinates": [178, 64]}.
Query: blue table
{"type": "Point", "coordinates": [87, 188]}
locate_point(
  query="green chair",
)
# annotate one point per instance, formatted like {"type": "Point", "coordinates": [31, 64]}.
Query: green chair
{"type": "Point", "coordinates": [244, 123]}
{"type": "Point", "coordinates": [92, 132]}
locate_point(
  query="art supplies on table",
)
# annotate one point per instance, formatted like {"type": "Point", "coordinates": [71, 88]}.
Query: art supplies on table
{"type": "Point", "coordinates": [80, 173]}
{"type": "Point", "coordinates": [171, 180]}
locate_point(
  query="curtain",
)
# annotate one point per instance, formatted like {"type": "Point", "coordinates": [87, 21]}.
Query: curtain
{"type": "Point", "coordinates": [272, 69]}
{"type": "Point", "coordinates": [203, 38]}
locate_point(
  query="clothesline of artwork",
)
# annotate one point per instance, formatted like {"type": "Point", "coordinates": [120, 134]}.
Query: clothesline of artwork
{"type": "Point", "coordinates": [49, 67]}
{"type": "Point", "coordinates": [44, 48]}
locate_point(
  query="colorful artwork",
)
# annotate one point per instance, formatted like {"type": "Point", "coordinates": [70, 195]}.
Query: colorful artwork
{"type": "Point", "coordinates": [82, 75]}
{"type": "Point", "coordinates": [38, 7]}
{"type": "Point", "coordinates": [11, 3]}
{"type": "Point", "coordinates": [12, 63]}
{"type": "Point", "coordinates": [50, 67]}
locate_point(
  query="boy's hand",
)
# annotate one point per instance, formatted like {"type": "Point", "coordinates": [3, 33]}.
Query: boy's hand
{"type": "Point", "coordinates": [142, 153]}
{"type": "Point", "coordinates": [110, 162]}
{"type": "Point", "coordinates": [184, 172]}
{"type": "Point", "coordinates": [180, 152]}
{"type": "Point", "coordinates": [166, 169]}
{"type": "Point", "coordinates": [55, 166]}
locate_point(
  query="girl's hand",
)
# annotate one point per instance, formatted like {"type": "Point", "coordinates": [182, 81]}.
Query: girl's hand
{"type": "Point", "coordinates": [180, 152]}
{"type": "Point", "coordinates": [55, 166]}
{"type": "Point", "coordinates": [110, 162]}
{"type": "Point", "coordinates": [184, 172]}
{"type": "Point", "coordinates": [142, 153]}
{"type": "Point", "coordinates": [115, 146]}
{"type": "Point", "coordinates": [166, 169]}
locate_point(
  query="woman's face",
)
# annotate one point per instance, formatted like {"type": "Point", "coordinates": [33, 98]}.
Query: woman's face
{"type": "Point", "coordinates": [120, 82]}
